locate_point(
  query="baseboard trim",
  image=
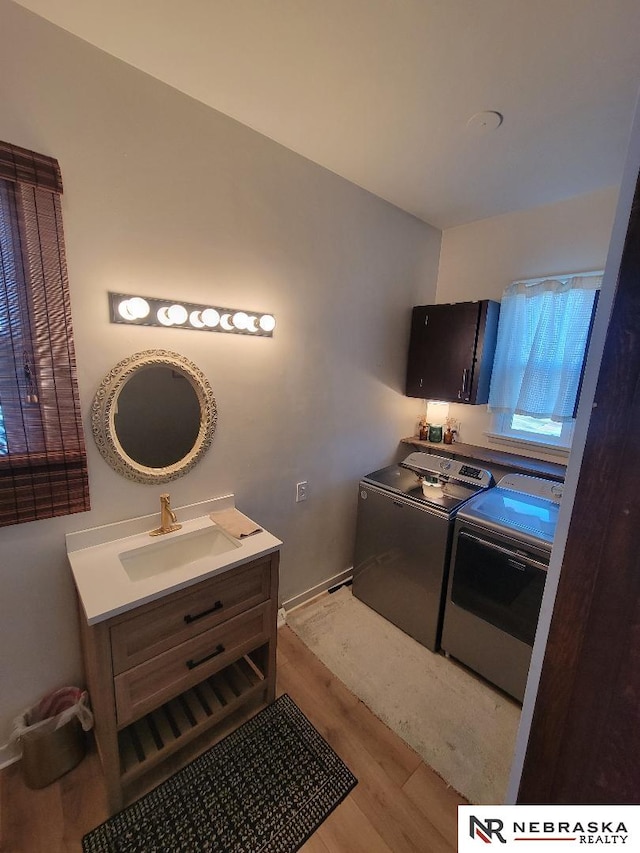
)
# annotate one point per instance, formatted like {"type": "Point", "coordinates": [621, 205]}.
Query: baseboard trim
{"type": "Point", "coordinates": [318, 589]}
{"type": "Point", "coordinates": [9, 754]}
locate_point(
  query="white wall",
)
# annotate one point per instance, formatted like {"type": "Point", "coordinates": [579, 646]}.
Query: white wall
{"type": "Point", "coordinates": [163, 197]}
{"type": "Point", "coordinates": [479, 260]}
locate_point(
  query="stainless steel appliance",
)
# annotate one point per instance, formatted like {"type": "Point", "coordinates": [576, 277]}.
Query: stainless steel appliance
{"type": "Point", "coordinates": [403, 539]}
{"type": "Point", "coordinates": [499, 559]}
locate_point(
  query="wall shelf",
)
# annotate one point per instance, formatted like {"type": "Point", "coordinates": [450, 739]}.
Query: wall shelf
{"type": "Point", "coordinates": [498, 461]}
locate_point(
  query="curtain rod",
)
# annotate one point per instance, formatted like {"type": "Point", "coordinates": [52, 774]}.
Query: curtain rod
{"type": "Point", "coordinates": [528, 281]}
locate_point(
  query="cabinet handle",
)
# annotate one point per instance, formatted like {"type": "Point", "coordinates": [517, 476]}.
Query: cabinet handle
{"type": "Point", "coordinates": [465, 376]}
{"type": "Point", "coordinates": [189, 618]}
{"type": "Point", "coordinates": [191, 664]}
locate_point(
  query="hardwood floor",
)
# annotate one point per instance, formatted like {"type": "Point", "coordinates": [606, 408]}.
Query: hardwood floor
{"type": "Point", "coordinates": [399, 805]}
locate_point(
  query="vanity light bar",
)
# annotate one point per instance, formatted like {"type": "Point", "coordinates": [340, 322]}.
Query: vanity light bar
{"type": "Point", "coordinates": [149, 311]}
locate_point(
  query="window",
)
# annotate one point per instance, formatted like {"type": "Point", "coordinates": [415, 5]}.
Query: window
{"type": "Point", "coordinates": [43, 470]}
{"type": "Point", "coordinates": [543, 335]}
{"type": "Point", "coordinates": [533, 429]}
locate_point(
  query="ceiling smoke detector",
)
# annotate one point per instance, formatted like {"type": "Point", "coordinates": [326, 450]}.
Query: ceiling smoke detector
{"type": "Point", "coordinates": [485, 121]}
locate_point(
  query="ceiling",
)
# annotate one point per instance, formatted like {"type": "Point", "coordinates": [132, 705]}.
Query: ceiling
{"type": "Point", "coordinates": [380, 91]}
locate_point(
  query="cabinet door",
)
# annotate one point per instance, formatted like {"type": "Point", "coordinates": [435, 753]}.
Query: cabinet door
{"type": "Point", "coordinates": [442, 350]}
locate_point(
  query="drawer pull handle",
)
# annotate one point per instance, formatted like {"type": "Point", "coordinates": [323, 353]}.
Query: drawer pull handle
{"type": "Point", "coordinates": [189, 618]}
{"type": "Point", "coordinates": [192, 664]}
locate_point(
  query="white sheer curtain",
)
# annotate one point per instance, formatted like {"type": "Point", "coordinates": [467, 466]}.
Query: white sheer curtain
{"type": "Point", "coordinates": [542, 337]}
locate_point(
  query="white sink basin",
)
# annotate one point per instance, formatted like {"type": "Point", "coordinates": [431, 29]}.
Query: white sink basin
{"type": "Point", "coordinates": [118, 566]}
{"type": "Point", "coordinates": [165, 555]}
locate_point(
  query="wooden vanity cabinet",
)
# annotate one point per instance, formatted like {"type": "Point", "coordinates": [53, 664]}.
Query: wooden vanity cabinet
{"type": "Point", "coordinates": [169, 678]}
{"type": "Point", "coordinates": [451, 351]}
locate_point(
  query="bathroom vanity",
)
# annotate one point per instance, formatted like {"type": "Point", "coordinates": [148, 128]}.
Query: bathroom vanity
{"type": "Point", "coordinates": [178, 640]}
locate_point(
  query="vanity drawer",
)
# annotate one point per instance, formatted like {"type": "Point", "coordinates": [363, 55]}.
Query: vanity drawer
{"type": "Point", "coordinates": [155, 681]}
{"type": "Point", "coordinates": [162, 625]}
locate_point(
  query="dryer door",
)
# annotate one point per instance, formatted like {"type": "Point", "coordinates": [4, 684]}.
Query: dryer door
{"type": "Point", "coordinates": [499, 584]}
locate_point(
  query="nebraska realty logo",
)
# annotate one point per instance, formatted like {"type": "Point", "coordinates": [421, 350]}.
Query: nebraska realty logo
{"type": "Point", "coordinates": [559, 827]}
{"type": "Point", "coordinates": [487, 829]}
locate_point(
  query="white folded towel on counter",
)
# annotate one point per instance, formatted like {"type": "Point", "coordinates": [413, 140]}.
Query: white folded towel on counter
{"type": "Point", "coordinates": [235, 523]}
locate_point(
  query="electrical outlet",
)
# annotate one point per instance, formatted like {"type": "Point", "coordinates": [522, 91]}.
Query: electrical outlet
{"type": "Point", "coordinates": [301, 491]}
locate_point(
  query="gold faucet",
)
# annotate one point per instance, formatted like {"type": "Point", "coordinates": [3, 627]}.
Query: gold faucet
{"type": "Point", "coordinates": [168, 521]}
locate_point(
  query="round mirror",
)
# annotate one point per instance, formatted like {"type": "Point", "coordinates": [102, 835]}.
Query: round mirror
{"type": "Point", "coordinates": [154, 416]}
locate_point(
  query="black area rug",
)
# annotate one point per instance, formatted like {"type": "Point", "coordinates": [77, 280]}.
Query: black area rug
{"type": "Point", "coordinates": [265, 788]}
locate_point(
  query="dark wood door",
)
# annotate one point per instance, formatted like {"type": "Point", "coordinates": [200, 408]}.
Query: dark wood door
{"type": "Point", "coordinates": [442, 350]}
{"type": "Point", "coordinates": [584, 745]}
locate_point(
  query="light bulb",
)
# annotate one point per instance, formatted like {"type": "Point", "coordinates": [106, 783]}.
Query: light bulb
{"type": "Point", "coordinates": [196, 320]}
{"type": "Point", "coordinates": [267, 322]}
{"type": "Point", "coordinates": [124, 310]}
{"type": "Point", "coordinates": [178, 314]}
{"type": "Point", "coordinates": [163, 316]}
{"type": "Point", "coordinates": [210, 317]}
{"type": "Point", "coordinates": [240, 320]}
{"type": "Point", "coordinates": [133, 308]}
{"type": "Point", "coordinates": [225, 322]}
{"type": "Point", "coordinates": [139, 307]}
{"type": "Point", "coordinates": [252, 324]}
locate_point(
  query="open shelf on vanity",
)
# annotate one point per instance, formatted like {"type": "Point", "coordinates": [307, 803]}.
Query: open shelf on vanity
{"type": "Point", "coordinates": [148, 741]}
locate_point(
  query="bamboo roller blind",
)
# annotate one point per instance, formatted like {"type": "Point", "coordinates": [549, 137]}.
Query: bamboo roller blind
{"type": "Point", "coordinates": [43, 468]}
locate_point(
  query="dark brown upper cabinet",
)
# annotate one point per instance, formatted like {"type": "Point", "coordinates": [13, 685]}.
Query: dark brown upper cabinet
{"type": "Point", "coordinates": [451, 351]}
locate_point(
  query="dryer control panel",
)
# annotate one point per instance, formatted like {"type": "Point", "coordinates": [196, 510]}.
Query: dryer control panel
{"type": "Point", "coordinates": [537, 486]}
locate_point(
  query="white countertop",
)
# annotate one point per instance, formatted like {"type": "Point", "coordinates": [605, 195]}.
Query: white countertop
{"type": "Point", "coordinates": [104, 586]}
